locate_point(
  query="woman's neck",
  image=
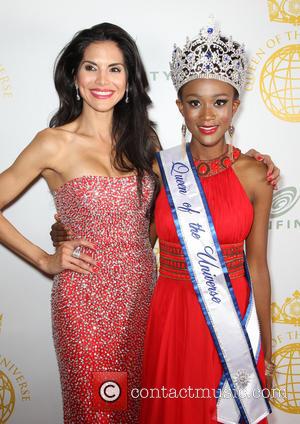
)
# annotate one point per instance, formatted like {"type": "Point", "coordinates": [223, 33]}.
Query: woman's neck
{"type": "Point", "coordinates": [95, 124]}
{"type": "Point", "coordinates": [199, 151]}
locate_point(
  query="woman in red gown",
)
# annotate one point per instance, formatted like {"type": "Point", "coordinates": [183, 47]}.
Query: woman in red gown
{"type": "Point", "coordinates": [97, 160]}
{"type": "Point", "coordinates": [182, 369]}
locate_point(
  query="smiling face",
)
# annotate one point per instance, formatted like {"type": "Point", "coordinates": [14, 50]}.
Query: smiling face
{"type": "Point", "coordinates": [101, 76]}
{"type": "Point", "coordinates": [207, 106]}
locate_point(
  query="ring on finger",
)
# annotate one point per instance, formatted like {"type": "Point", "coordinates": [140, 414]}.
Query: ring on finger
{"type": "Point", "coordinates": [76, 252]}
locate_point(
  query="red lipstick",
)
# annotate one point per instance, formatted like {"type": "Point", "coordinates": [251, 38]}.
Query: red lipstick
{"type": "Point", "coordinates": [208, 130]}
{"type": "Point", "coordinates": [102, 94]}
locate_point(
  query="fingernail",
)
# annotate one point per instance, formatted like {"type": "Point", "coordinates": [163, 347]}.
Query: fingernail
{"type": "Point", "coordinates": [270, 178]}
{"type": "Point", "coordinates": [259, 157]}
{"type": "Point", "coordinates": [98, 264]}
{"type": "Point", "coordinates": [95, 269]}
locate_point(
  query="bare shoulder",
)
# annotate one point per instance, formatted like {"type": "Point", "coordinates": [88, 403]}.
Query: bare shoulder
{"type": "Point", "coordinates": [52, 141]}
{"type": "Point", "coordinates": [250, 168]}
{"type": "Point", "coordinates": [51, 137]}
{"type": "Point", "coordinates": [253, 177]}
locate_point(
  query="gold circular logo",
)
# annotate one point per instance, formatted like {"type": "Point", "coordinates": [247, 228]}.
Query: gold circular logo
{"type": "Point", "coordinates": [7, 398]}
{"type": "Point", "coordinates": [287, 11]}
{"type": "Point", "coordinates": [280, 84]}
{"type": "Point", "coordinates": [287, 378]}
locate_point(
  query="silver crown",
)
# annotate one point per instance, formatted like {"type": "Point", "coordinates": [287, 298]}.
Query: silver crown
{"type": "Point", "coordinates": [210, 55]}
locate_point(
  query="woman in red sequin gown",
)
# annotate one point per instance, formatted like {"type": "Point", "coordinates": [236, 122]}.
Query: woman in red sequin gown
{"type": "Point", "coordinates": [96, 158]}
{"type": "Point", "coordinates": [99, 320]}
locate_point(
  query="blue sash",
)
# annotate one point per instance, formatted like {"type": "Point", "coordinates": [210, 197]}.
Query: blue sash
{"type": "Point", "coordinates": [240, 391]}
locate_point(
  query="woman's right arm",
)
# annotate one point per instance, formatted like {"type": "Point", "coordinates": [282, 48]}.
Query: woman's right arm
{"type": "Point", "coordinates": [35, 158]}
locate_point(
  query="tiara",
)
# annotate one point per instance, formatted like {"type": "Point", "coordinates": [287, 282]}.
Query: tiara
{"type": "Point", "coordinates": [210, 55]}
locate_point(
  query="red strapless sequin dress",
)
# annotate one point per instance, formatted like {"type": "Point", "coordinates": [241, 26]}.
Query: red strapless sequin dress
{"type": "Point", "coordinates": [179, 349]}
{"type": "Point", "coordinates": [99, 320]}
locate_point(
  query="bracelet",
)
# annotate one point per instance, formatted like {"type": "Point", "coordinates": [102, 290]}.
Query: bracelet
{"type": "Point", "coordinates": [270, 368]}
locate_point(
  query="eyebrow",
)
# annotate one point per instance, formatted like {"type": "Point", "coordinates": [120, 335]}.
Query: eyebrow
{"type": "Point", "coordinates": [215, 95]}
{"type": "Point", "coordinates": [116, 64]}
{"type": "Point", "coordinates": [111, 64]}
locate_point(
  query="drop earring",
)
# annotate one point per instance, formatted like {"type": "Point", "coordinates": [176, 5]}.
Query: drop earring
{"type": "Point", "coordinates": [183, 140]}
{"type": "Point", "coordinates": [77, 93]}
{"type": "Point", "coordinates": [126, 95]}
{"type": "Point", "coordinates": [231, 130]}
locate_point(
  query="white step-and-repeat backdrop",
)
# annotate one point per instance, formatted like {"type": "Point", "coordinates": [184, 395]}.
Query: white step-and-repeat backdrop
{"type": "Point", "coordinates": [31, 35]}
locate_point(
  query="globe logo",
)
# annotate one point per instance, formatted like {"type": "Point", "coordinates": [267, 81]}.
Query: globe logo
{"type": "Point", "coordinates": [284, 200]}
{"type": "Point", "coordinates": [280, 83]}
{"type": "Point", "coordinates": [7, 398]}
{"type": "Point", "coordinates": [287, 378]}
{"type": "Point", "coordinates": [287, 11]}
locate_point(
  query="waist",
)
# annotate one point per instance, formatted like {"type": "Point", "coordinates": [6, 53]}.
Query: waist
{"type": "Point", "coordinates": [173, 265]}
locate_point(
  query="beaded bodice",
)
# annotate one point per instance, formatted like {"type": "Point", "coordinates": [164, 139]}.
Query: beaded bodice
{"type": "Point", "coordinates": [208, 168]}
{"type": "Point", "coordinates": [106, 210]}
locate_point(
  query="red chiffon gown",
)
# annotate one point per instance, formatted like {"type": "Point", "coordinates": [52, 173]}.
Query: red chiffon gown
{"type": "Point", "coordinates": [179, 349]}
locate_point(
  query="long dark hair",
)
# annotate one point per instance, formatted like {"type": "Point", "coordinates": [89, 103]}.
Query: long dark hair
{"type": "Point", "coordinates": [133, 132]}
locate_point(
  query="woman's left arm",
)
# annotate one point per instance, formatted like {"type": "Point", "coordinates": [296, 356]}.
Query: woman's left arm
{"type": "Point", "coordinates": [256, 251]}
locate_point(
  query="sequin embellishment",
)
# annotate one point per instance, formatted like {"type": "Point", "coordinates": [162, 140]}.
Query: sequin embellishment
{"type": "Point", "coordinates": [99, 320]}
